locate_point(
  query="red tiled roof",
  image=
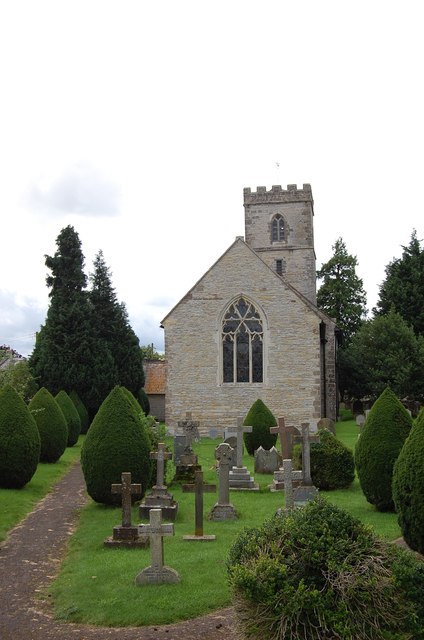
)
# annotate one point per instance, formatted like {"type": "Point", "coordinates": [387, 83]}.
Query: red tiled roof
{"type": "Point", "coordinates": [155, 374]}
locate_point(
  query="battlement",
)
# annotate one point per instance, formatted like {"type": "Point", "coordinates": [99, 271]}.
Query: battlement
{"type": "Point", "coordinates": [278, 194]}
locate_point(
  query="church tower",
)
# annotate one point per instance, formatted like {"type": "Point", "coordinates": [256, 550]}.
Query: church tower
{"type": "Point", "coordinates": [279, 228]}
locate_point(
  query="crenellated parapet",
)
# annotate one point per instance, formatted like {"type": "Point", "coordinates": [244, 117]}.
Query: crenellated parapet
{"type": "Point", "coordinates": [278, 195]}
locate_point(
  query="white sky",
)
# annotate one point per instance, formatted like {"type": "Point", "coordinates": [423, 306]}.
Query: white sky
{"type": "Point", "coordinates": [140, 123]}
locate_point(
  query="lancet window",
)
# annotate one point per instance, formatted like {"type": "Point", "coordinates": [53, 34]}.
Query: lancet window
{"type": "Point", "coordinates": [278, 233]}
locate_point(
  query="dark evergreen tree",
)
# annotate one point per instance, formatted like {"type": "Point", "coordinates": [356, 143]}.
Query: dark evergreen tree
{"type": "Point", "coordinates": [341, 294]}
{"type": "Point", "coordinates": [260, 418]}
{"type": "Point", "coordinates": [19, 440]}
{"type": "Point", "coordinates": [403, 288]}
{"type": "Point", "coordinates": [82, 411]}
{"type": "Point", "coordinates": [115, 442]}
{"type": "Point", "coordinates": [408, 486]}
{"type": "Point", "coordinates": [51, 424]}
{"type": "Point", "coordinates": [114, 329]}
{"type": "Point", "coordinates": [382, 437]}
{"type": "Point", "coordinates": [71, 414]}
{"type": "Point", "coordinates": [386, 352]}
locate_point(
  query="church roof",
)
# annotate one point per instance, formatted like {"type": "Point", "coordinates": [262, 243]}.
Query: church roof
{"type": "Point", "coordinates": [321, 314]}
{"type": "Point", "coordinates": [155, 376]}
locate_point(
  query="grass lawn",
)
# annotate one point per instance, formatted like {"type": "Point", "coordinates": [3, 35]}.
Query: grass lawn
{"type": "Point", "coordinates": [17, 503]}
{"type": "Point", "coordinates": [96, 584]}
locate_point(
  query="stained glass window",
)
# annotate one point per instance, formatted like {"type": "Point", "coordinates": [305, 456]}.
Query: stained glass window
{"type": "Point", "coordinates": [242, 343]}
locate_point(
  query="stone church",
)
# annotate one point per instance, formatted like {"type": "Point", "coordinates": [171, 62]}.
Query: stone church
{"type": "Point", "coordinates": [250, 327]}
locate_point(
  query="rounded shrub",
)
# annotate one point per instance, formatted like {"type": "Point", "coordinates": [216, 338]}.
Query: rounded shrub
{"type": "Point", "coordinates": [19, 441]}
{"type": "Point", "coordinates": [143, 401]}
{"type": "Point", "coordinates": [318, 573]}
{"type": "Point", "coordinates": [115, 443]}
{"type": "Point", "coordinates": [71, 416]}
{"type": "Point", "coordinates": [382, 437]}
{"type": "Point", "coordinates": [260, 418]}
{"type": "Point", "coordinates": [82, 411]}
{"type": "Point", "coordinates": [51, 425]}
{"type": "Point", "coordinates": [408, 486]}
{"type": "Point", "coordinates": [332, 464]}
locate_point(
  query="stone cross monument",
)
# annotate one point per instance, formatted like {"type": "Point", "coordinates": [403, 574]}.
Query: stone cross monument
{"type": "Point", "coordinates": [159, 498]}
{"type": "Point", "coordinates": [126, 534]}
{"type": "Point", "coordinates": [223, 509]}
{"type": "Point", "coordinates": [199, 488]}
{"type": "Point", "coordinates": [240, 477]}
{"type": "Point", "coordinates": [157, 573]}
{"type": "Point", "coordinates": [306, 491]}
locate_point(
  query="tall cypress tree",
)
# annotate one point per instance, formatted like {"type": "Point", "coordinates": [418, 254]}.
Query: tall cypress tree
{"type": "Point", "coordinates": [114, 329]}
{"type": "Point", "coordinates": [67, 354]}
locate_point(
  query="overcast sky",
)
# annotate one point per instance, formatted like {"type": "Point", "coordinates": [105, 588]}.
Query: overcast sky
{"type": "Point", "coordinates": [139, 123]}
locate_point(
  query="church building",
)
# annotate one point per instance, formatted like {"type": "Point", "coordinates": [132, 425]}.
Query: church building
{"type": "Point", "coordinates": [250, 327]}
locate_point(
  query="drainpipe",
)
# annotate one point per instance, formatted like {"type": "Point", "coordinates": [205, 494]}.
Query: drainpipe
{"type": "Point", "coordinates": [323, 341]}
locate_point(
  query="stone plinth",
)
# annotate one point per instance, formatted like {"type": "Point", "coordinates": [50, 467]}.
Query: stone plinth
{"type": "Point", "coordinates": [163, 501]}
{"type": "Point", "coordinates": [127, 537]}
{"type": "Point", "coordinates": [241, 480]}
{"type": "Point", "coordinates": [186, 472]}
{"type": "Point", "coordinates": [222, 512]}
{"type": "Point", "coordinates": [278, 480]}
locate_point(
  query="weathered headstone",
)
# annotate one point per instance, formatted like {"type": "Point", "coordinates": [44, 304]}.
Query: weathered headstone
{"type": "Point", "coordinates": [157, 572]}
{"type": "Point", "coordinates": [360, 419]}
{"type": "Point", "coordinates": [306, 491]}
{"type": "Point", "coordinates": [160, 498]}
{"type": "Point", "coordinates": [179, 447]}
{"type": "Point", "coordinates": [288, 484]}
{"type": "Point", "coordinates": [267, 460]}
{"type": "Point", "coordinates": [223, 509]}
{"type": "Point", "coordinates": [327, 423]}
{"type": "Point", "coordinates": [213, 433]}
{"type": "Point", "coordinates": [187, 463]}
{"type": "Point", "coordinates": [199, 488]}
{"type": "Point", "coordinates": [126, 534]}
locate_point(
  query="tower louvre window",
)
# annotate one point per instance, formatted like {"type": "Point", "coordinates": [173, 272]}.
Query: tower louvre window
{"type": "Point", "coordinates": [242, 343]}
{"type": "Point", "coordinates": [279, 266]}
{"type": "Point", "coordinates": [278, 234]}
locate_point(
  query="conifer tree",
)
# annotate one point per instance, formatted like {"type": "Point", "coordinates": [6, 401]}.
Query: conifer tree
{"type": "Point", "coordinates": [403, 288]}
{"type": "Point", "coordinates": [342, 294]}
{"type": "Point", "coordinates": [114, 329]}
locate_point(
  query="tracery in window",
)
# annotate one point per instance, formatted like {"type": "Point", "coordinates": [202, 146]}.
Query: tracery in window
{"type": "Point", "coordinates": [242, 343]}
{"type": "Point", "coordinates": [278, 234]}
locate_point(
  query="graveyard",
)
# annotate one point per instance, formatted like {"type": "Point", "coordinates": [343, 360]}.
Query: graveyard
{"type": "Point", "coordinates": [97, 584]}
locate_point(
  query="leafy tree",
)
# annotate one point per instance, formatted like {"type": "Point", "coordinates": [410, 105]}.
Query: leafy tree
{"type": "Point", "coordinates": [385, 352]}
{"type": "Point", "coordinates": [19, 440]}
{"type": "Point", "coordinates": [380, 442]}
{"type": "Point", "coordinates": [19, 377]}
{"type": "Point", "coordinates": [403, 288]}
{"type": "Point", "coordinates": [149, 352]}
{"type": "Point", "coordinates": [408, 486]}
{"type": "Point", "coordinates": [341, 294]}
{"type": "Point", "coordinates": [114, 329]}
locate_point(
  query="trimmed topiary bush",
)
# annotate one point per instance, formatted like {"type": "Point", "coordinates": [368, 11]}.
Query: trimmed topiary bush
{"type": "Point", "coordinates": [318, 573]}
{"type": "Point", "coordinates": [382, 437]}
{"type": "Point", "coordinates": [332, 464]}
{"type": "Point", "coordinates": [71, 416]}
{"type": "Point", "coordinates": [82, 411]}
{"type": "Point", "coordinates": [115, 442]}
{"type": "Point", "coordinates": [19, 441]}
{"type": "Point", "coordinates": [408, 486]}
{"type": "Point", "coordinates": [51, 425]}
{"type": "Point", "coordinates": [260, 418]}
{"type": "Point", "coordinates": [143, 401]}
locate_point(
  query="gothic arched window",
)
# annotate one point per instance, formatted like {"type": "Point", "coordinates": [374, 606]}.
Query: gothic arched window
{"type": "Point", "coordinates": [242, 343]}
{"type": "Point", "coordinates": [277, 234]}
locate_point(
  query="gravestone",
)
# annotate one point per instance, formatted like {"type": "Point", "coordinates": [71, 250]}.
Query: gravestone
{"type": "Point", "coordinates": [360, 419]}
{"type": "Point", "coordinates": [126, 535]}
{"type": "Point", "coordinates": [285, 433]}
{"type": "Point", "coordinates": [240, 478]}
{"type": "Point", "coordinates": [306, 491]}
{"type": "Point", "coordinates": [223, 509]}
{"type": "Point", "coordinates": [159, 498]}
{"type": "Point", "coordinates": [157, 573]}
{"type": "Point", "coordinates": [187, 463]}
{"type": "Point", "coordinates": [327, 423]}
{"type": "Point", "coordinates": [179, 446]}
{"type": "Point", "coordinates": [267, 460]}
{"type": "Point", "coordinates": [199, 488]}
{"type": "Point", "coordinates": [213, 433]}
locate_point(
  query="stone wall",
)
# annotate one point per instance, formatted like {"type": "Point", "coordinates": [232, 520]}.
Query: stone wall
{"type": "Point", "coordinates": [292, 365]}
